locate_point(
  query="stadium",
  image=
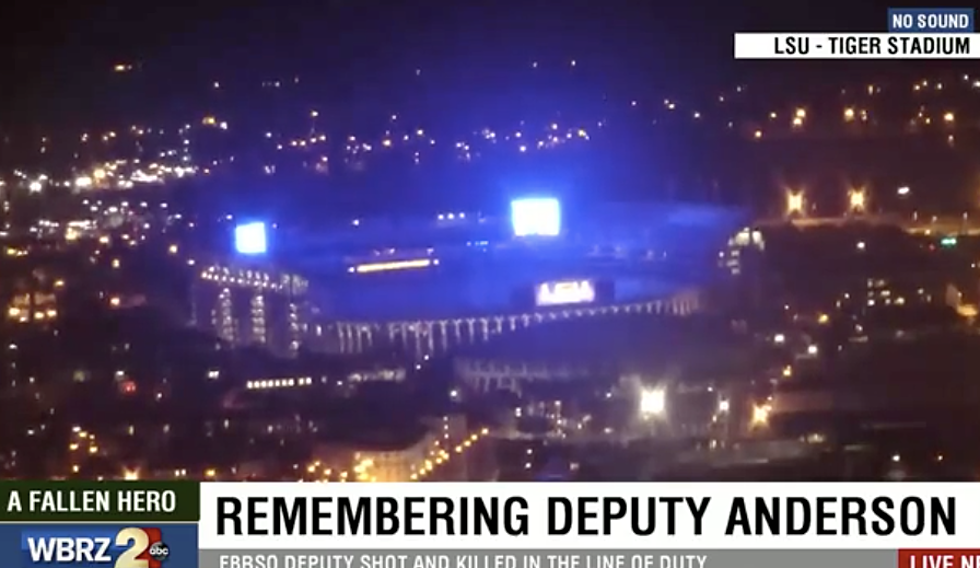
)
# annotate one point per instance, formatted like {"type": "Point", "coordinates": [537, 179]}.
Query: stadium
{"type": "Point", "coordinates": [424, 285]}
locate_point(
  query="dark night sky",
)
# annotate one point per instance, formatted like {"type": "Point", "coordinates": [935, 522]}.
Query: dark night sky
{"type": "Point", "coordinates": [49, 49]}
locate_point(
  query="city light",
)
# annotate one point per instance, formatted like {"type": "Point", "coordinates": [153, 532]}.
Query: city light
{"type": "Point", "coordinates": [255, 331]}
{"type": "Point", "coordinates": [794, 203]}
{"type": "Point", "coordinates": [760, 415]}
{"type": "Point", "coordinates": [536, 217]}
{"type": "Point", "coordinates": [799, 117]}
{"type": "Point", "coordinates": [250, 238]}
{"type": "Point", "coordinates": [857, 200]}
{"type": "Point", "coordinates": [653, 402]}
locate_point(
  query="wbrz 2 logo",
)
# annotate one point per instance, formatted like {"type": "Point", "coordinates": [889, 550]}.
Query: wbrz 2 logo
{"type": "Point", "coordinates": [85, 547]}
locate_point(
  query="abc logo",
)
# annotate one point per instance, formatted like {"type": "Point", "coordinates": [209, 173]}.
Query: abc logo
{"type": "Point", "coordinates": [158, 551]}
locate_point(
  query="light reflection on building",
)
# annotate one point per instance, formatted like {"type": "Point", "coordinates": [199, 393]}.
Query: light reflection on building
{"type": "Point", "coordinates": [443, 450]}
{"type": "Point", "coordinates": [429, 337]}
{"type": "Point", "coordinates": [246, 306]}
{"type": "Point", "coordinates": [32, 307]}
{"type": "Point", "coordinates": [743, 243]}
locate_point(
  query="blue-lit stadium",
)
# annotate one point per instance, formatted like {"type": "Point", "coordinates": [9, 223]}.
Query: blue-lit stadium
{"type": "Point", "coordinates": [459, 277]}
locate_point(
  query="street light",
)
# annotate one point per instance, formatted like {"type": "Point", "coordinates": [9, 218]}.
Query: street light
{"type": "Point", "coordinates": [653, 402]}
{"type": "Point", "coordinates": [794, 203]}
{"type": "Point", "coordinates": [857, 200]}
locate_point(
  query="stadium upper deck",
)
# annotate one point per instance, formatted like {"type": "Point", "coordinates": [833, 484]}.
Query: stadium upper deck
{"type": "Point", "coordinates": [620, 229]}
{"type": "Point", "coordinates": [460, 264]}
{"type": "Point", "coordinates": [428, 284]}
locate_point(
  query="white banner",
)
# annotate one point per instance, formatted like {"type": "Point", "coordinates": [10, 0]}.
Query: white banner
{"type": "Point", "coordinates": [491, 516]}
{"type": "Point", "coordinates": [857, 46]}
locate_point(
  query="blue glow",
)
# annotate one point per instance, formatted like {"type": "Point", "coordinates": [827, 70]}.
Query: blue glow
{"type": "Point", "coordinates": [540, 216]}
{"type": "Point", "coordinates": [250, 238]}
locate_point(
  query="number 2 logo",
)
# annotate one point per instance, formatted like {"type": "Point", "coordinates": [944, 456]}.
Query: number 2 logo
{"type": "Point", "coordinates": [138, 541]}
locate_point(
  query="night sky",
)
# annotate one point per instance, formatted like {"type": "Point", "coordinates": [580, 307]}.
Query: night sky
{"type": "Point", "coordinates": [51, 51]}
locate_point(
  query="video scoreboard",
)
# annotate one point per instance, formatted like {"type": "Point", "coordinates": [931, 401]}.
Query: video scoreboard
{"type": "Point", "coordinates": [488, 525]}
{"type": "Point", "coordinates": [912, 33]}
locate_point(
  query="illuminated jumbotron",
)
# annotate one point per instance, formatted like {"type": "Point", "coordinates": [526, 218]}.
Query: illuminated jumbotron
{"type": "Point", "coordinates": [250, 238]}
{"type": "Point", "coordinates": [536, 217]}
{"type": "Point", "coordinates": [459, 277]}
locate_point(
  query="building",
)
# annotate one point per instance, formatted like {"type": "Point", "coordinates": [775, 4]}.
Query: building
{"type": "Point", "coordinates": [482, 376]}
{"type": "Point", "coordinates": [425, 286]}
{"type": "Point", "coordinates": [36, 307]}
{"type": "Point", "coordinates": [35, 298]}
{"type": "Point", "coordinates": [245, 305]}
{"type": "Point", "coordinates": [440, 449]}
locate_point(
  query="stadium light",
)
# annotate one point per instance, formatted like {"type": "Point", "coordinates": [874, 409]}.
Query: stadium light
{"type": "Point", "coordinates": [653, 402]}
{"type": "Point", "coordinates": [250, 238]}
{"type": "Point", "coordinates": [394, 265]}
{"type": "Point", "coordinates": [538, 216]}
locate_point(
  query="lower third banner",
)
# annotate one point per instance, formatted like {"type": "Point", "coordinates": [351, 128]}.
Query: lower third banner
{"type": "Point", "coordinates": [555, 559]}
{"type": "Point", "coordinates": [98, 546]}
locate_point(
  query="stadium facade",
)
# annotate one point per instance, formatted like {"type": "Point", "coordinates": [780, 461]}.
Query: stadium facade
{"type": "Point", "coordinates": [426, 285]}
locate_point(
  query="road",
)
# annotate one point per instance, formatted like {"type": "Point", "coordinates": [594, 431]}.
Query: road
{"type": "Point", "coordinates": [936, 225]}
